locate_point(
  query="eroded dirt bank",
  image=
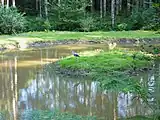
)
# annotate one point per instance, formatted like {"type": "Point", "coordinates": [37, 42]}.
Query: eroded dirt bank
{"type": "Point", "coordinates": [134, 41]}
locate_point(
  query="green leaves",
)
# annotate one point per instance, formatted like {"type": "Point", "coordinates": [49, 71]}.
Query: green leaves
{"type": "Point", "coordinates": [11, 21]}
{"type": "Point", "coordinates": [66, 13]}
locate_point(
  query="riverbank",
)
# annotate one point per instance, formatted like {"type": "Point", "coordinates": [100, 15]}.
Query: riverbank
{"type": "Point", "coordinates": [41, 39]}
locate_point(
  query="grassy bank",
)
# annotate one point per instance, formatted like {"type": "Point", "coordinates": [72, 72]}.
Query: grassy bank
{"type": "Point", "coordinates": [112, 69]}
{"type": "Point", "coordinates": [53, 36]}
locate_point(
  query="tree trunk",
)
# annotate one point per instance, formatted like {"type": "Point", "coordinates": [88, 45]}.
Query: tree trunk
{"type": "Point", "coordinates": [36, 4]}
{"type": "Point", "coordinates": [150, 3]}
{"type": "Point", "coordinates": [59, 4]}
{"type": "Point", "coordinates": [137, 4]}
{"type": "Point", "coordinates": [7, 4]}
{"type": "Point", "coordinates": [40, 8]}
{"type": "Point", "coordinates": [92, 6]}
{"type": "Point", "coordinates": [120, 5]}
{"type": "Point", "coordinates": [105, 6]}
{"type": "Point", "coordinates": [117, 7]}
{"type": "Point", "coordinates": [46, 9]}
{"type": "Point", "coordinates": [113, 12]}
{"type": "Point", "coordinates": [2, 2]}
{"type": "Point", "coordinates": [144, 4]}
{"type": "Point", "coordinates": [128, 6]}
{"type": "Point", "coordinates": [101, 8]}
{"type": "Point", "coordinates": [13, 3]}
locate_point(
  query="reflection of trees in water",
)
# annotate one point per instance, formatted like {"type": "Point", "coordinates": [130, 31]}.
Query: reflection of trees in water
{"type": "Point", "coordinates": [49, 91]}
{"type": "Point", "coordinates": [154, 88]}
{"type": "Point", "coordinates": [8, 88]}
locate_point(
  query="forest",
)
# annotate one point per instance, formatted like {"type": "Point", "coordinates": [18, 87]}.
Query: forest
{"type": "Point", "coordinates": [78, 15]}
{"type": "Point", "coordinates": [79, 59]}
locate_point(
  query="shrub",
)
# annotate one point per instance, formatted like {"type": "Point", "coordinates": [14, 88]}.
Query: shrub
{"type": "Point", "coordinates": [47, 25]}
{"type": "Point", "coordinates": [103, 24]}
{"type": "Point", "coordinates": [122, 26]}
{"type": "Point", "coordinates": [135, 21]}
{"type": "Point", "coordinates": [86, 23]}
{"type": "Point", "coordinates": [35, 24]}
{"type": "Point", "coordinates": [144, 19]}
{"type": "Point", "coordinates": [67, 25]}
{"type": "Point", "coordinates": [11, 21]}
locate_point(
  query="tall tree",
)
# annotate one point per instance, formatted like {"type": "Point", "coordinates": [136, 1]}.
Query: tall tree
{"type": "Point", "coordinates": [137, 4]}
{"type": "Point", "coordinates": [59, 5]}
{"type": "Point", "coordinates": [117, 7]}
{"type": "Point", "coordinates": [13, 3]}
{"type": "Point", "coordinates": [101, 8]}
{"type": "Point", "coordinates": [40, 8]}
{"type": "Point", "coordinates": [113, 13]}
{"type": "Point", "coordinates": [144, 5]}
{"type": "Point", "coordinates": [104, 7]}
{"type": "Point", "coordinates": [120, 5]}
{"type": "Point", "coordinates": [36, 4]}
{"type": "Point", "coordinates": [7, 4]}
{"type": "Point", "coordinates": [46, 8]}
{"type": "Point", "coordinates": [128, 6]}
{"type": "Point", "coordinates": [92, 5]}
{"type": "Point", "coordinates": [2, 2]}
{"type": "Point", "coordinates": [150, 3]}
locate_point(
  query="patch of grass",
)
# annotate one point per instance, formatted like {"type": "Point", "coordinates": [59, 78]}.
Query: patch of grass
{"type": "Point", "coordinates": [107, 61]}
{"type": "Point", "coordinates": [111, 68]}
{"type": "Point", "coordinates": [52, 36]}
{"type": "Point", "coordinates": [91, 35]}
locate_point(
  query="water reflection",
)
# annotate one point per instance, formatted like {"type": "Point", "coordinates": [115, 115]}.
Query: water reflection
{"type": "Point", "coordinates": [25, 84]}
{"type": "Point", "coordinates": [49, 91]}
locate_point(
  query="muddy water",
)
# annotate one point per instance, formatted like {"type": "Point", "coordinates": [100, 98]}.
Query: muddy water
{"type": "Point", "coordinates": [26, 85]}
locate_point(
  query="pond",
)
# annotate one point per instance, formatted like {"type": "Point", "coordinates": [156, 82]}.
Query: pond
{"type": "Point", "coordinates": [26, 84]}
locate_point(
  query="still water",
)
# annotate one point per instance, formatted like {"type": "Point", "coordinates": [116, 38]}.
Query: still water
{"type": "Point", "coordinates": [25, 84]}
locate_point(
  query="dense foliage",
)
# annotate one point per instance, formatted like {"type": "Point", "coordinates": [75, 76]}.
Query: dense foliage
{"type": "Point", "coordinates": [144, 19]}
{"type": "Point", "coordinates": [81, 15]}
{"type": "Point", "coordinates": [11, 21]}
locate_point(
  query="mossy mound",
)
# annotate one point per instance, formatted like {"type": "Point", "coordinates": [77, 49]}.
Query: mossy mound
{"type": "Point", "coordinates": [112, 69]}
{"type": "Point", "coordinates": [100, 61]}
